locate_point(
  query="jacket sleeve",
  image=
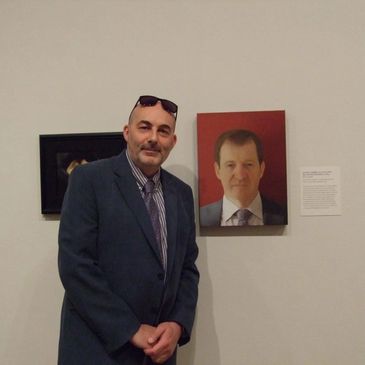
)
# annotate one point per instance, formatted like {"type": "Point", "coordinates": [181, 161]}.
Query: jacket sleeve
{"type": "Point", "coordinates": [187, 295]}
{"type": "Point", "coordinates": [86, 287]}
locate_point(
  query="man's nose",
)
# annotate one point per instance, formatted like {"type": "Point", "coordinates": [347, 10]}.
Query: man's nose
{"type": "Point", "coordinates": [153, 135]}
{"type": "Point", "coordinates": [240, 172]}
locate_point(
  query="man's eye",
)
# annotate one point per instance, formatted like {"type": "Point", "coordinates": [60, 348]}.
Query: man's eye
{"type": "Point", "coordinates": [165, 132]}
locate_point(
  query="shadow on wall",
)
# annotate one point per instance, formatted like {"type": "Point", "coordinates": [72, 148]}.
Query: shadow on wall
{"type": "Point", "coordinates": [204, 336]}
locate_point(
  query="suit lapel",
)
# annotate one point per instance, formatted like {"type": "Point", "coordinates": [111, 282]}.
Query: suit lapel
{"type": "Point", "coordinates": [170, 198]}
{"type": "Point", "coordinates": [132, 196]}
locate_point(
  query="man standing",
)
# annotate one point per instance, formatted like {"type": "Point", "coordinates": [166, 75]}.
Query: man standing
{"type": "Point", "coordinates": [239, 165]}
{"type": "Point", "coordinates": [127, 251]}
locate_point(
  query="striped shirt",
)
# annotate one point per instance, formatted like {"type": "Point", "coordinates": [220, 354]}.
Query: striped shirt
{"type": "Point", "coordinates": [141, 180]}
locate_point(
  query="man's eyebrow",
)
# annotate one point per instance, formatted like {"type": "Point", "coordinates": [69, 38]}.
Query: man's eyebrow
{"type": "Point", "coordinates": [165, 126]}
{"type": "Point", "coordinates": [148, 122]}
{"type": "Point", "coordinates": [161, 126]}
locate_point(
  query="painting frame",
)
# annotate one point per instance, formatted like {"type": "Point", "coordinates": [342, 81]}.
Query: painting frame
{"type": "Point", "coordinates": [60, 153]}
{"type": "Point", "coordinates": [220, 198]}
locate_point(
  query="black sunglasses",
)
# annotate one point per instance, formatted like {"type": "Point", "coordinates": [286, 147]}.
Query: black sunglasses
{"type": "Point", "coordinates": [149, 100]}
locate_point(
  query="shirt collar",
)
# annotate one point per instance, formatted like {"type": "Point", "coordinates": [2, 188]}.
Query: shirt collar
{"type": "Point", "coordinates": [229, 208]}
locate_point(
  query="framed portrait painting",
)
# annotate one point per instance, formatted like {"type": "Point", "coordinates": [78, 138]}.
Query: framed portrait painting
{"type": "Point", "coordinates": [242, 168]}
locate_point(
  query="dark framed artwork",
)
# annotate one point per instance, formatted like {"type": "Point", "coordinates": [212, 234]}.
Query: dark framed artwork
{"type": "Point", "coordinates": [61, 153]}
{"type": "Point", "coordinates": [223, 193]}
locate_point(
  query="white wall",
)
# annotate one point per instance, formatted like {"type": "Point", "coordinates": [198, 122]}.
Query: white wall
{"type": "Point", "coordinates": [291, 297]}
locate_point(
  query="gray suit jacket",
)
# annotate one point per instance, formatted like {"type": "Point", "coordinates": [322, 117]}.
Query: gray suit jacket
{"type": "Point", "coordinates": [110, 266]}
{"type": "Point", "coordinates": [274, 214]}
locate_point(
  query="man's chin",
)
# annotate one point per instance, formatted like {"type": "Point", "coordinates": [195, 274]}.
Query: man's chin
{"type": "Point", "coordinates": [151, 159]}
{"type": "Point", "coordinates": [242, 197]}
{"type": "Point", "coordinates": [240, 191]}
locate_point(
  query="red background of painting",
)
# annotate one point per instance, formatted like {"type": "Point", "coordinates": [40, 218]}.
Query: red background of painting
{"type": "Point", "coordinates": [269, 126]}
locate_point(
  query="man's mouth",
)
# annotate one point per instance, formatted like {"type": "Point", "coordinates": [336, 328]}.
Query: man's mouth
{"type": "Point", "coordinates": [242, 185]}
{"type": "Point", "coordinates": [150, 149]}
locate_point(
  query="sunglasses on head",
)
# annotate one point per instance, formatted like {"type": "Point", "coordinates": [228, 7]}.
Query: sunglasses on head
{"type": "Point", "coordinates": [149, 100]}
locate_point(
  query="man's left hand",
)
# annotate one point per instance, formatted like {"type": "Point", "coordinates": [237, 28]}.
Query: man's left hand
{"type": "Point", "coordinates": [163, 341]}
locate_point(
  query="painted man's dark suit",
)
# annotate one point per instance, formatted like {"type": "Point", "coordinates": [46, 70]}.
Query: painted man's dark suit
{"type": "Point", "coordinates": [110, 266]}
{"type": "Point", "coordinates": [273, 214]}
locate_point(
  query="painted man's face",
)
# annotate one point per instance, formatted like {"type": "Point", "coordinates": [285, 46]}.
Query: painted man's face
{"type": "Point", "coordinates": [240, 172]}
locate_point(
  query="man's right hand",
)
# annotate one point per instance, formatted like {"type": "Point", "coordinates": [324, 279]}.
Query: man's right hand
{"type": "Point", "coordinates": [142, 337]}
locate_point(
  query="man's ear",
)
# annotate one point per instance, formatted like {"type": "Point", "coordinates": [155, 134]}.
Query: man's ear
{"type": "Point", "coordinates": [217, 170]}
{"type": "Point", "coordinates": [125, 132]}
{"type": "Point", "coordinates": [262, 168]}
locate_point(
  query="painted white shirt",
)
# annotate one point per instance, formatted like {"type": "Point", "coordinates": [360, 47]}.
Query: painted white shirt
{"type": "Point", "coordinates": [229, 209]}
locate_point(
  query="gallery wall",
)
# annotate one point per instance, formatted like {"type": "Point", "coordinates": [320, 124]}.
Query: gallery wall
{"type": "Point", "coordinates": [273, 296]}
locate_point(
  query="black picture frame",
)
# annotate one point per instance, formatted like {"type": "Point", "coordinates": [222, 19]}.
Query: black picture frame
{"type": "Point", "coordinates": [60, 153]}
